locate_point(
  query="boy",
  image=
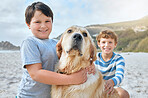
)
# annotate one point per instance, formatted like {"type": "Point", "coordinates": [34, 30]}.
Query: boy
{"type": "Point", "coordinates": [39, 56]}
{"type": "Point", "coordinates": [109, 63]}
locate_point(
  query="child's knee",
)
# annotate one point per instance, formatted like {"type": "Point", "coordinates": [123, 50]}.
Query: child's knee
{"type": "Point", "coordinates": [123, 93]}
{"type": "Point", "coordinates": [126, 94]}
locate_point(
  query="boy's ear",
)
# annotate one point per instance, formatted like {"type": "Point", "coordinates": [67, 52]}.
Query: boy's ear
{"type": "Point", "coordinates": [28, 25]}
{"type": "Point", "coordinates": [98, 44]}
{"type": "Point", "coordinates": [115, 45]}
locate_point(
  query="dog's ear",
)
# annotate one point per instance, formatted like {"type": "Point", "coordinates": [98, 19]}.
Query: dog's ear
{"type": "Point", "coordinates": [93, 51]}
{"type": "Point", "coordinates": [59, 47]}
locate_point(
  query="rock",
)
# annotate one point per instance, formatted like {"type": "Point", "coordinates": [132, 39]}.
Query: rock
{"type": "Point", "coordinates": [5, 45]}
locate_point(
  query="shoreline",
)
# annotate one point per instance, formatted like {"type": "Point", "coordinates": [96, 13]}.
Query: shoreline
{"type": "Point", "coordinates": [135, 81]}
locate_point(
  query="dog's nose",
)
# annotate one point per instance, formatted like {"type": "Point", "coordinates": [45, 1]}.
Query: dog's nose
{"type": "Point", "coordinates": [77, 37]}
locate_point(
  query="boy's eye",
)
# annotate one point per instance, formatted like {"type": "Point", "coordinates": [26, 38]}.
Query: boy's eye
{"type": "Point", "coordinates": [47, 21]}
{"type": "Point", "coordinates": [37, 22]}
{"type": "Point", "coordinates": [110, 42]}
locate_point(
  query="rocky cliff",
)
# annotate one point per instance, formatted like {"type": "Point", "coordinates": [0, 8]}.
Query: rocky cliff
{"type": "Point", "coordinates": [5, 45]}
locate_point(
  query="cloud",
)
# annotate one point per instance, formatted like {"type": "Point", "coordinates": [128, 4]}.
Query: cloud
{"type": "Point", "coordinates": [67, 13]}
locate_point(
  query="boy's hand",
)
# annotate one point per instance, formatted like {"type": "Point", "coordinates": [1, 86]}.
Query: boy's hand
{"type": "Point", "coordinates": [109, 86]}
{"type": "Point", "coordinates": [79, 77]}
{"type": "Point", "coordinates": [91, 69]}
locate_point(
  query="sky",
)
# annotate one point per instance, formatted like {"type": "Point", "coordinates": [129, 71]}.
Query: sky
{"type": "Point", "coordinates": [67, 13]}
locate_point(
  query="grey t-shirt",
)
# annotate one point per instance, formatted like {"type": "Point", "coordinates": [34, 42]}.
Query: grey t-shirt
{"type": "Point", "coordinates": [34, 50]}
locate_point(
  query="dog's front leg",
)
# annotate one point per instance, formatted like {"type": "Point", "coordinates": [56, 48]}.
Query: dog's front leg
{"type": "Point", "coordinates": [56, 91]}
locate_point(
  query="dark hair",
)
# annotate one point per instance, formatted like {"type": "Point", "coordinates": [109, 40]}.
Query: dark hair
{"type": "Point", "coordinates": [37, 6]}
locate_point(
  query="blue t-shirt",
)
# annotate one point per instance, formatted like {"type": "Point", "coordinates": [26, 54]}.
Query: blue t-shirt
{"type": "Point", "coordinates": [112, 69]}
{"type": "Point", "coordinates": [34, 50]}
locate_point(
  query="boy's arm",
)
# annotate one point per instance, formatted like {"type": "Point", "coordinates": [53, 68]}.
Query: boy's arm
{"type": "Point", "coordinates": [52, 78]}
{"type": "Point", "coordinates": [119, 74]}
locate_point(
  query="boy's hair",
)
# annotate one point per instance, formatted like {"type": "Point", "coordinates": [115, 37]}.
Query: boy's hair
{"type": "Point", "coordinates": [107, 34]}
{"type": "Point", "coordinates": [37, 6]}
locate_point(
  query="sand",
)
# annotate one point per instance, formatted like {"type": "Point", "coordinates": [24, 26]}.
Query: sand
{"type": "Point", "coordinates": [135, 81]}
{"type": "Point", "coordinates": [136, 76]}
{"type": "Point", "coordinates": [10, 73]}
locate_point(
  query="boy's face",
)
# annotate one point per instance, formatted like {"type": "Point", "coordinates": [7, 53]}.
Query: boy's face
{"type": "Point", "coordinates": [107, 45]}
{"type": "Point", "coordinates": [40, 25]}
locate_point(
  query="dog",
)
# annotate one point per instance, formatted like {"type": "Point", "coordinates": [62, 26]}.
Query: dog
{"type": "Point", "coordinates": [78, 52]}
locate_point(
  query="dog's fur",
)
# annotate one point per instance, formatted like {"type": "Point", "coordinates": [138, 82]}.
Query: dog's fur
{"type": "Point", "coordinates": [78, 52]}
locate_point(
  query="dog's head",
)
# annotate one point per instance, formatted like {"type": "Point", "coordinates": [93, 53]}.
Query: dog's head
{"type": "Point", "coordinates": [77, 43]}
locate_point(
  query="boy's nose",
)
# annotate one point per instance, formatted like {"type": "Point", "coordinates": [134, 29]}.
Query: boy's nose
{"type": "Point", "coordinates": [43, 25]}
{"type": "Point", "coordinates": [106, 44]}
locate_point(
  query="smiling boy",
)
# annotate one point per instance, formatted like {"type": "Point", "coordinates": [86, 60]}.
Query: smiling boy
{"type": "Point", "coordinates": [39, 56]}
{"type": "Point", "coordinates": [109, 63]}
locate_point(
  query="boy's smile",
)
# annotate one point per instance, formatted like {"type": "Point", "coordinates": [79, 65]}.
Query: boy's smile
{"type": "Point", "coordinates": [107, 45]}
{"type": "Point", "coordinates": [40, 25]}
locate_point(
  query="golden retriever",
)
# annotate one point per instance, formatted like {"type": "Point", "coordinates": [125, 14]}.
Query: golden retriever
{"type": "Point", "coordinates": [78, 52]}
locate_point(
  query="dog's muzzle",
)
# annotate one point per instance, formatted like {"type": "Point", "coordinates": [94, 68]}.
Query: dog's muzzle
{"type": "Point", "coordinates": [77, 42]}
{"type": "Point", "coordinates": [77, 38]}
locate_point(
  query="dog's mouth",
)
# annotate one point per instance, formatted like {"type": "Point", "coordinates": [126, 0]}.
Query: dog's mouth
{"type": "Point", "coordinates": [76, 45]}
{"type": "Point", "coordinates": [74, 51]}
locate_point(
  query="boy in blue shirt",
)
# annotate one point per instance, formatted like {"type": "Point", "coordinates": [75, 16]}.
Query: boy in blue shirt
{"type": "Point", "coordinates": [109, 63]}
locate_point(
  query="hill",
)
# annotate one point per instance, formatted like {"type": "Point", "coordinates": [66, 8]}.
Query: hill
{"type": "Point", "coordinates": [129, 24]}
{"type": "Point", "coordinates": [136, 25]}
{"type": "Point", "coordinates": [132, 35]}
{"type": "Point", "coordinates": [5, 45]}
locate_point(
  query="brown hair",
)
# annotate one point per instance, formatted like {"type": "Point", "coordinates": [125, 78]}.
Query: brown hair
{"type": "Point", "coordinates": [107, 34]}
{"type": "Point", "coordinates": [37, 6]}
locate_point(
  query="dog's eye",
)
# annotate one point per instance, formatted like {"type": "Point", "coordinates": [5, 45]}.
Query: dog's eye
{"type": "Point", "coordinates": [84, 34]}
{"type": "Point", "coordinates": [69, 31]}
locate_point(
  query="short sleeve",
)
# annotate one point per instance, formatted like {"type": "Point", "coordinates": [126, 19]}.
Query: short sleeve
{"type": "Point", "coordinates": [30, 53]}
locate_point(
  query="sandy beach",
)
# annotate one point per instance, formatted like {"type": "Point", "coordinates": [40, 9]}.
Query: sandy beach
{"type": "Point", "coordinates": [135, 81]}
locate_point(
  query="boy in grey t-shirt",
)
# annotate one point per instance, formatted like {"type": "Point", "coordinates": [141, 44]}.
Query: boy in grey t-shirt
{"type": "Point", "coordinates": [39, 56]}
